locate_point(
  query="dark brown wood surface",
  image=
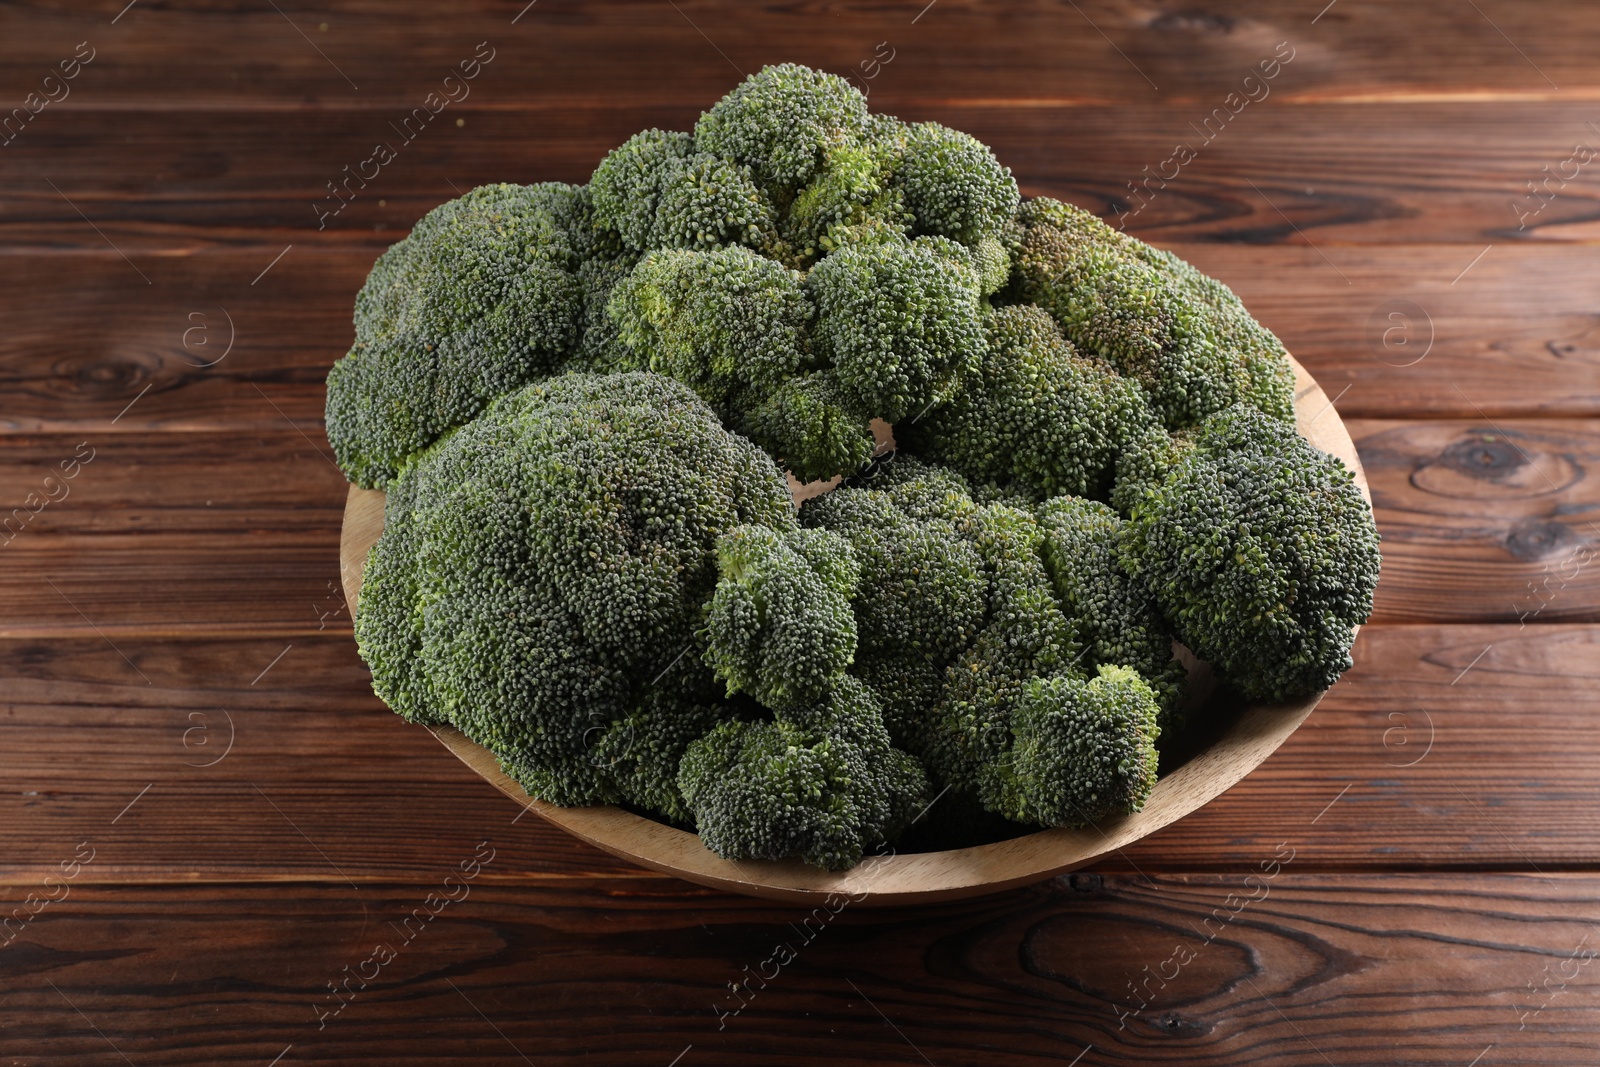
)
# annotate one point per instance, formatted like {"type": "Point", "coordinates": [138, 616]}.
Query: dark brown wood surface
{"type": "Point", "coordinates": [210, 822]}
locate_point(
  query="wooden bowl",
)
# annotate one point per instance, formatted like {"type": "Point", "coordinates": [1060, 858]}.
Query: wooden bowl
{"type": "Point", "coordinates": [912, 877]}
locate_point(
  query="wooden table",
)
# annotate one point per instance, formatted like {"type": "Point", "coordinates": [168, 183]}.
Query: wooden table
{"type": "Point", "coordinates": [210, 822]}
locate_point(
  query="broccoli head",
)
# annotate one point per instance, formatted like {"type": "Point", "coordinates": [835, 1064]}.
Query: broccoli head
{"type": "Point", "coordinates": [821, 782]}
{"type": "Point", "coordinates": [808, 423]}
{"type": "Point", "coordinates": [1081, 751]}
{"type": "Point", "coordinates": [899, 321]}
{"type": "Point", "coordinates": [721, 321]}
{"type": "Point", "coordinates": [1114, 614]}
{"type": "Point", "coordinates": [780, 625]}
{"type": "Point", "coordinates": [1184, 338]}
{"type": "Point", "coordinates": [782, 122]}
{"type": "Point", "coordinates": [477, 300]}
{"type": "Point", "coordinates": [1035, 416]}
{"type": "Point", "coordinates": [564, 544]}
{"type": "Point", "coordinates": [1261, 552]}
{"type": "Point", "coordinates": [953, 186]}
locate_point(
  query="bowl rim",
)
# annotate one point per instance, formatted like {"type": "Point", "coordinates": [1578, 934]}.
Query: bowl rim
{"type": "Point", "coordinates": [884, 877]}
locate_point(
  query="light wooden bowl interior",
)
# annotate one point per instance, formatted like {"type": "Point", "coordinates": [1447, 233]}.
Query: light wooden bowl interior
{"type": "Point", "coordinates": [911, 877]}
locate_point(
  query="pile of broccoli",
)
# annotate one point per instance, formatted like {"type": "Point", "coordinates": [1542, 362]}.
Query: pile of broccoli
{"type": "Point", "coordinates": [589, 405]}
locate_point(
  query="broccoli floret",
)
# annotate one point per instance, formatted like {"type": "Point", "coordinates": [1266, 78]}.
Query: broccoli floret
{"type": "Point", "coordinates": [821, 782]}
{"type": "Point", "coordinates": [1036, 416]}
{"type": "Point", "coordinates": [1261, 552]}
{"type": "Point", "coordinates": [1025, 635]}
{"type": "Point", "coordinates": [1081, 751]}
{"type": "Point", "coordinates": [782, 121]}
{"type": "Point", "coordinates": [953, 185]}
{"type": "Point", "coordinates": [626, 188]}
{"type": "Point", "coordinates": [564, 548]}
{"type": "Point", "coordinates": [850, 199]}
{"type": "Point", "coordinates": [780, 626]}
{"type": "Point", "coordinates": [1115, 615]}
{"type": "Point", "coordinates": [1150, 314]}
{"type": "Point", "coordinates": [923, 592]}
{"type": "Point", "coordinates": [477, 300]}
{"type": "Point", "coordinates": [808, 424]}
{"type": "Point", "coordinates": [601, 349]}
{"type": "Point", "coordinates": [899, 321]}
{"type": "Point", "coordinates": [719, 321]}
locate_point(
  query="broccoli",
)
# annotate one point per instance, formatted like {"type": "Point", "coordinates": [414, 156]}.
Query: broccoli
{"type": "Point", "coordinates": [1260, 550]}
{"type": "Point", "coordinates": [899, 320]}
{"type": "Point", "coordinates": [1081, 751]}
{"type": "Point", "coordinates": [562, 548]}
{"type": "Point", "coordinates": [782, 122]}
{"type": "Point", "coordinates": [808, 423]}
{"type": "Point", "coordinates": [953, 186]}
{"type": "Point", "coordinates": [1035, 416]}
{"type": "Point", "coordinates": [583, 401]}
{"type": "Point", "coordinates": [780, 625]}
{"type": "Point", "coordinates": [1115, 615]}
{"type": "Point", "coordinates": [1184, 338]}
{"type": "Point", "coordinates": [721, 321]}
{"type": "Point", "coordinates": [479, 299]}
{"type": "Point", "coordinates": [820, 781]}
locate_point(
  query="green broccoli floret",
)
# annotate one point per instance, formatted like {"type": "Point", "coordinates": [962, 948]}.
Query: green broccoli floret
{"type": "Point", "coordinates": [850, 199]}
{"type": "Point", "coordinates": [479, 299]}
{"type": "Point", "coordinates": [780, 626]}
{"type": "Point", "coordinates": [953, 185]}
{"type": "Point", "coordinates": [1081, 751]}
{"type": "Point", "coordinates": [782, 121]}
{"type": "Point", "coordinates": [601, 349]}
{"type": "Point", "coordinates": [721, 321]}
{"type": "Point", "coordinates": [808, 424]}
{"type": "Point", "coordinates": [1150, 314]}
{"type": "Point", "coordinates": [899, 321]}
{"type": "Point", "coordinates": [1026, 635]}
{"type": "Point", "coordinates": [564, 547]}
{"type": "Point", "coordinates": [1261, 552]}
{"type": "Point", "coordinates": [1115, 615]}
{"type": "Point", "coordinates": [1036, 416]}
{"type": "Point", "coordinates": [820, 782]}
{"type": "Point", "coordinates": [922, 595]}
{"type": "Point", "coordinates": [656, 191]}
{"type": "Point", "coordinates": [627, 186]}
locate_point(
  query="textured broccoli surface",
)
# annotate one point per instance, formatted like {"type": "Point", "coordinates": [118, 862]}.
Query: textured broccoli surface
{"type": "Point", "coordinates": [1185, 338]}
{"type": "Point", "coordinates": [1035, 416]}
{"type": "Point", "coordinates": [783, 121]}
{"type": "Point", "coordinates": [899, 320]}
{"type": "Point", "coordinates": [821, 782]}
{"type": "Point", "coordinates": [1055, 455]}
{"type": "Point", "coordinates": [1261, 551]}
{"type": "Point", "coordinates": [722, 321]}
{"type": "Point", "coordinates": [480, 298]}
{"type": "Point", "coordinates": [780, 626]}
{"type": "Point", "coordinates": [1113, 613]}
{"type": "Point", "coordinates": [561, 546]}
{"type": "Point", "coordinates": [1082, 751]}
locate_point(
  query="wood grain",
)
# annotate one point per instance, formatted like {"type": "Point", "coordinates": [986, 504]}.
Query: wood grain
{"type": "Point", "coordinates": [1338, 173]}
{"type": "Point", "coordinates": [1299, 969]}
{"type": "Point", "coordinates": [633, 52]}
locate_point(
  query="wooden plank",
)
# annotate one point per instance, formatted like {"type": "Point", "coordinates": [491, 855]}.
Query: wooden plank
{"type": "Point", "coordinates": [1410, 756]}
{"type": "Point", "coordinates": [205, 178]}
{"type": "Point", "coordinates": [1514, 336]}
{"type": "Point", "coordinates": [1448, 746]}
{"type": "Point", "coordinates": [1484, 519]}
{"type": "Point", "coordinates": [344, 55]}
{"type": "Point", "coordinates": [1296, 969]}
